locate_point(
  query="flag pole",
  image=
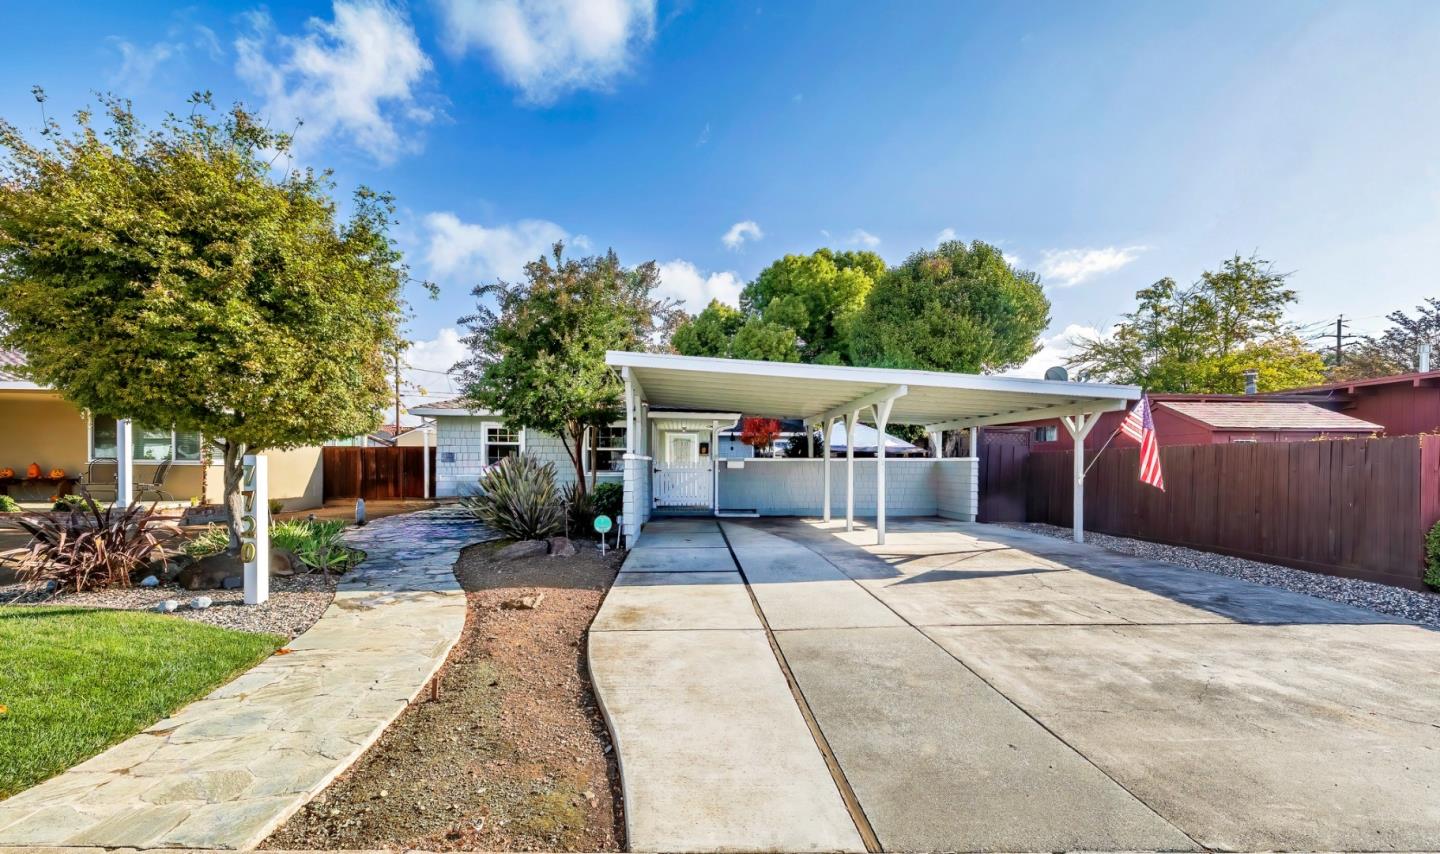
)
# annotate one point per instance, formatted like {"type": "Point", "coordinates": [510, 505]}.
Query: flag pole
{"type": "Point", "coordinates": [1096, 458]}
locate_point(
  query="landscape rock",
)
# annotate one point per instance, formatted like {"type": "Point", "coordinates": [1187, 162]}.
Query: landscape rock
{"type": "Point", "coordinates": [234, 582]}
{"type": "Point", "coordinates": [211, 571]}
{"type": "Point", "coordinates": [523, 603]}
{"type": "Point", "coordinates": [561, 547]}
{"type": "Point", "coordinates": [284, 562]}
{"type": "Point", "coordinates": [167, 607]}
{"type": "Point", "coordinates": [149, 581]}
{"type": "Point", "coordinates": [200, 603]}
{"type": "Point", "coordinates": [523, 549]}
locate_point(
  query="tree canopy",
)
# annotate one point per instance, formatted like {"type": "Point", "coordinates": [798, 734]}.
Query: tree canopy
{"type": "Point", "coordinates": [171, 277]}
{"type": "Point", "coordinates": [818, 296]}
{"type": "Point", "coordinates": [960, 307]}
{"type": "Point", "coordinates": [538, 354]}
{"type": "Point", "coordinates": [1396, 350]}
{"type": "Point", "coordinates": [1202, 338]}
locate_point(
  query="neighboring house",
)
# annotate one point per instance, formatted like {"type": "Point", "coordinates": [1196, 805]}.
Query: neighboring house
{"type": "Point", "coordinates": [38, 426]}
{"type": "Point", "coordinates": [1214, 419]}
{"type": "Point", "coordinates": [386, 436]}
{"type": "Point", "coordinates": [468, 440]}
{"type": "Point", "coordinates": [1403, 404]}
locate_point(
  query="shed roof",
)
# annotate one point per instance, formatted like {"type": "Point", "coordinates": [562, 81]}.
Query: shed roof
{"type": "Point", "coordinates": [931, 398]}
{"type": "Point", "coordinates": [1264, 415]}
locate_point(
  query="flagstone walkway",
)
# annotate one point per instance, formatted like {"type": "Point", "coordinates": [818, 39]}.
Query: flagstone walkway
{"type": "Point", "coordinates": [224, 771]}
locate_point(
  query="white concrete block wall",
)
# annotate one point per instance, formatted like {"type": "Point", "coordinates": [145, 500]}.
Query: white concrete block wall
{"type": "Point", "coordinates": [958, 488]}
{"type": "Point", "coordinates": [638, 502]}
{"type": "Point", "coordinates": [793, 487]}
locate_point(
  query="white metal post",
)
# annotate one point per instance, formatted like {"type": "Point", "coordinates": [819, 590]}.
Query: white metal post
{"type": "Point", "coordinates": [1079, 426]}
{"type": "Point", "coordinates": [425, 461]}
{"type": "Point", "coordinates": [124, 463]}
{"type": "Point", "coordinates": [809, 440]}
{"type": "Point", "coordinates": [255, 529]}
{"type": "Point", "coordinates": [850, 419]}
{"type": "Point", "coordinates": [825, 452]}
{"type": "Point", "coordinates": [882, 417]}
{"type": "Point", "coordinates": [937, 444]}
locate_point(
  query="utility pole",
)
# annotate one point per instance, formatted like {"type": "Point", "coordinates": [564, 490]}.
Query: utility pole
{"type": "Point", "coordinates": [1339, 340]}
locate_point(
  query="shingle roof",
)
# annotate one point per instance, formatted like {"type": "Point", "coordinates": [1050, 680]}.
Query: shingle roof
{"type": "Point", "coordinates": [10, 359]}
{"type": "Point", "coordinates": [1258, 415]}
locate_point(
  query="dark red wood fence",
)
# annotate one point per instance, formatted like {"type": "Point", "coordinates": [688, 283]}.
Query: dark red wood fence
{"type": "Point", "coordinates": [1357, 508]}
{"type": "Point", "coordinates": [376, 473]}
{"type": "Point", "coordinates": [1002, 474]}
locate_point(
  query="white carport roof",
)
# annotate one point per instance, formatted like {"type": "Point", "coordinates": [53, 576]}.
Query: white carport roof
{"type": "Point", "coordinates": [814, 392]}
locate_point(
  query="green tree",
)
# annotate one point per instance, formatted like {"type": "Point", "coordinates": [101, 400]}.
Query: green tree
{"type": "Point", "coordinates": [169, 276]}
{"type": "Point", "coordinates": [538, 355]}
{"type": "Point", "coordinates": [1204, 337]}
{"type": "Point", "coordinates": [958, 308]}
{"type": "Point", "coordinates": [818, 296]}
{"type": "Point", "coordinates": [710, 332]}
{"type": "Point", "coordinates": [764, 340]}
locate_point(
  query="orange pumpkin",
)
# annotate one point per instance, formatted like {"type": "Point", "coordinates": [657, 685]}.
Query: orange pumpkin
{"type": "Point", "coordinates": [6, 473]}
{"type": "Point", "coordinates": [57, 474]}
{"type": "Point", "coordinates": [33, 471]}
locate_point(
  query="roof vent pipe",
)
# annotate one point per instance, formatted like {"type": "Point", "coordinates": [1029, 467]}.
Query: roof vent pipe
{"type": "Point", "coordinates": [1251, 377]}
{"type": "Point", "coordinates": [1424, 358]}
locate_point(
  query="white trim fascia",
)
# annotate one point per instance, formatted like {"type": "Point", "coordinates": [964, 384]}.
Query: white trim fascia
{"type": "Point", "coordinates": [1024, 415]}
{"type": "Point", "coordinates": [462, 413]}
{"type": "Point", "coordinates": [879, 376]}
{"type": "Point", "coordinates": [662, 415]}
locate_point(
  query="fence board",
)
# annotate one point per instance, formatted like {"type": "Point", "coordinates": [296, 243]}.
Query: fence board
{"type": "Point", "coordinates": [1354, 508]}
{"type": "Point", "coordinates": [376, 474]}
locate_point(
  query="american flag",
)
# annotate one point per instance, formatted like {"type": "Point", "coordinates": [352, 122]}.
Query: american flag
{"type": "Point", "coordinates": [1139, 426]}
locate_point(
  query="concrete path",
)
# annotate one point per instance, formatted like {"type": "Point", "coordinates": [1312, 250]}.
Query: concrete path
{"type": "Point", "coordinates": [714, 752]}
{"type": "Point", "coordinates": [224, 771]}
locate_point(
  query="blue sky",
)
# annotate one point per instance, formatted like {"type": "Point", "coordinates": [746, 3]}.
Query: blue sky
{"type": "Point", "coordinates": [1103, 144]}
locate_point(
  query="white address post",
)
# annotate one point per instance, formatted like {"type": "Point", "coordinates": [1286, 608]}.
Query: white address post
{"type": "Point", "coordinates": [255, 529]}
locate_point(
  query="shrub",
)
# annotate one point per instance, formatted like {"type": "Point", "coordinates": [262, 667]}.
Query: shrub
{"type": "Point", "coordinates": [609, 499]}
{"type": "Point", "coordinates": [316, 543]}
{"type": "Point", "coordinates": [9, 505]}
{"type": "Point", "coordinates": [579, 511]}
{"type": "Point", "coordinates": [67, 503]}
{"type": "Point", "coordinates": [1432, 558]}
{"type": "Point", "coordinates": [518, 499]}
{"type": "Point", "coordinates": [94, 548]}
{"type": "Point", "coordinates": [213, 540]}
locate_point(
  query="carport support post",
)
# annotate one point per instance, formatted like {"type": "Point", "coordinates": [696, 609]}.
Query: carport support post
{"type": "Point", "coordinates": [1079, 426]}
{"type": "Point", "coordinates": [850, 419]}
{"type": "Point", "coordinates": [882, 417]}
{"type": "Point", "coordinates": [825, 452]}
{"type": "Point", "coordinates": [937, 444]}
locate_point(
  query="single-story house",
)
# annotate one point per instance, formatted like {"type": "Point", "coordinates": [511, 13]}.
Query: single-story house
{"type": "Point", "coordinates": [386, 436]}
{"type": "Point", "coordinates": [1209, 419]}
{"type": "Point", "coordinates": [38, 426]}
{"type": "Point", "coordinates": [1402, 404]}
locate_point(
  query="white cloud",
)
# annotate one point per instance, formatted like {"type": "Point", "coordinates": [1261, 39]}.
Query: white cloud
{"type": "Point", "coordinates": [741, 232]}
{"type": "Point", "coordinates": [1067, 267]}
{"type": "Point", "coordinates": [426, 377]}
{"type": "Point", "coordinates": [138, 63]}
{"type": "Point", "coordinates": [945, 235]}
{"type": "Point", "coordinates": [861, 237]}
{"type": "Point", "coordinates": [679, 279]}
{"type": "Point", "coordinates": [355, 77]}
{"type": "Point", "coordinates": [704, 136]}
{"type": "Point", "coordinates": [1054, 350]}
{"type": "Point", "coordinates": [482, 252]}
{"type": "Point", "coordinates": [546, 48]}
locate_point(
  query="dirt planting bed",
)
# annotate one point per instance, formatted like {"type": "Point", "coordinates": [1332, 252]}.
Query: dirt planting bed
{"type": "Point", "coordinates": [514, 754]}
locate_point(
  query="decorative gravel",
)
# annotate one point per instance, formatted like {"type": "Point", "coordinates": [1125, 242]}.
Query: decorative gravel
{"type": "Point", "coordinates": [295, 603]}
{"type": "Point", "coordinates": [1422, 607]}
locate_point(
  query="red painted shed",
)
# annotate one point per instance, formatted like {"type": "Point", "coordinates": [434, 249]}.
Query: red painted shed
{"type": "Point", "coordinates": [1403, 404]}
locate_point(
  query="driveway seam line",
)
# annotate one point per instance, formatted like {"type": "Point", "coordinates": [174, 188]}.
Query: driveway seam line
{"type": "Point", "coordinates": [837, 774]}
{"type": "Point", "coordinates": [1002, 694]}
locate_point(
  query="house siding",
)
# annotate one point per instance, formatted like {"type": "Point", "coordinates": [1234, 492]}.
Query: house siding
{"type": "Point", "coordinates": [795, 487]}
{"type": "Point", "coordinates": [460, 454]}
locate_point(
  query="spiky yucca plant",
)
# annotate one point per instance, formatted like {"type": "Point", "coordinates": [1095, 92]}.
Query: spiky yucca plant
{"type": "Point", "coordinates": [92, 548]}
{"type": "Point", "coordinates": [518, 498]}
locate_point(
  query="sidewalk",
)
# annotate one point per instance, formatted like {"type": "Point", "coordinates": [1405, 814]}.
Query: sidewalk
{"type": "Point", "coordinates": [224, 771]}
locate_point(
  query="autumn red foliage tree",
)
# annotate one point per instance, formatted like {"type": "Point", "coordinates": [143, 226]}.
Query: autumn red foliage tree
{"type": "Point", "coordinates": [759, 433]}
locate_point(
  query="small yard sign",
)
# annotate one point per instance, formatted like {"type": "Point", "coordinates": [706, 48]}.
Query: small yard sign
{"type": "Point", "coordinates": [602, 526]}
{"type": "Point", "coordinates": [255, 529]}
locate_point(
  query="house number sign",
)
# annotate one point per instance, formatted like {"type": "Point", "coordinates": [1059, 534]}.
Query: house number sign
{"type": "Point", "coordinates": [255, 528]}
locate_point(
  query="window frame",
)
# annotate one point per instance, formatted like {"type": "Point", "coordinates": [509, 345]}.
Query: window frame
{"type": "Point", "coordinates": [141, 461]}
{"type": "Point", "coordinates": [1051, 431]}
{"type": "Point", "coordinates": [485, 428]}
{"type": "Point", "coordinates": [621, 448]}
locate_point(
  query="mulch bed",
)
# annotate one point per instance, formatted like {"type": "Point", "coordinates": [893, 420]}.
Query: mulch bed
{"type": "Point", "coordinates": [514, 755]}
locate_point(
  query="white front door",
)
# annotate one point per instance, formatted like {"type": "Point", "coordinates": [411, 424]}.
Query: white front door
{"type": "Point", "coordinates": [682, 475]}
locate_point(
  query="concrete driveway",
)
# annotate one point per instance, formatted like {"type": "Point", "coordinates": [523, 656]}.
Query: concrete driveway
{"type": "Point", "coordinates": [974, 688]}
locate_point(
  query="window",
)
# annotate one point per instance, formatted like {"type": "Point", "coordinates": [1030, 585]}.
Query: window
{"type": "Point", "coordinates": [609, 453]}
{"type": "Point", "coordinates": [149, 445]}
{"type": "Point", "coordinates": [500, 442]}
{"type": "Point", "coordinates": [1047, 434]}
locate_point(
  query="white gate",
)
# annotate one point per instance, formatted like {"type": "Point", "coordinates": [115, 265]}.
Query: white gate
{"type": "Point", "coordinates": [682, 477]}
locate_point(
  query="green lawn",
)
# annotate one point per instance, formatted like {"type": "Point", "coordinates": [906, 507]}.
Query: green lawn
{"type": "Point", "coordinates": [76, 680]}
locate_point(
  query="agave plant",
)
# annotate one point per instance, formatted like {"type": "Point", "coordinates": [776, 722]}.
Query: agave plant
{"type": "Point", "coordinates": [92, 548]}
{"type": "Point", "coordinates": [518, 498]}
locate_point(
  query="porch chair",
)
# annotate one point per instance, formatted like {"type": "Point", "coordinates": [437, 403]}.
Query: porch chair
{"type": "Point", "coordinates": [157, 485]}
{"type": "Point", "coordinates": [105, 483]}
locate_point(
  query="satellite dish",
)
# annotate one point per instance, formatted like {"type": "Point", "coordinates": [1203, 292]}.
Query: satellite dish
{"type": "Point", "coordinates": [1057, 373]}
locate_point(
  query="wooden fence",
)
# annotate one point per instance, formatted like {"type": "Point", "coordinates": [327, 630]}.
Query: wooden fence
{"type": "Point", "coordinates": [376, 473]}
{"type": "Point", "coordinates": [1355, 508]}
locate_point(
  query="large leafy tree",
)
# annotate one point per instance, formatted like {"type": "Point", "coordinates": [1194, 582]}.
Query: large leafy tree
{"type": "Point", "coordinates": [725, 331]}
{"type": "Point", "coordinates": [537, 348]}
{"type": "Point", "coordinates": [818, 296]}
{"type": "Point", "coordinates": [1202, 338]}
{"type": "Point", "coordinates": [171, 276]}
{"type": "Point", "coordinates": [961, 307]}
{"type": "Point", "coordinates": [1396, 350]}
